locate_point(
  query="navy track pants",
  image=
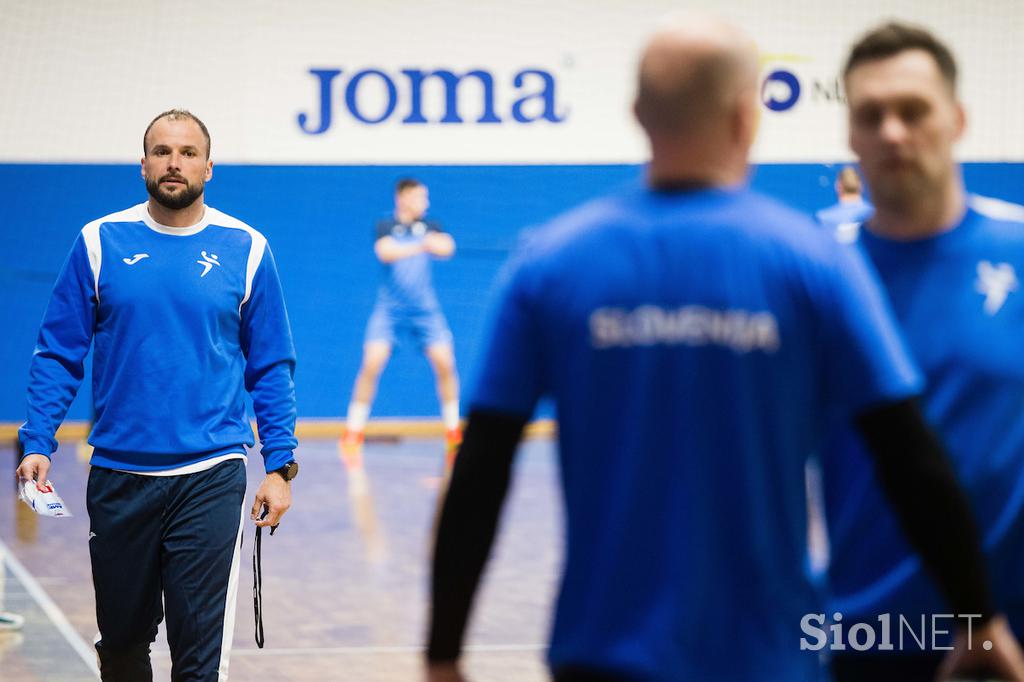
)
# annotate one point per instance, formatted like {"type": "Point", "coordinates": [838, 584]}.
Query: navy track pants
{"type": "Point", "coordinates": [169, 542]}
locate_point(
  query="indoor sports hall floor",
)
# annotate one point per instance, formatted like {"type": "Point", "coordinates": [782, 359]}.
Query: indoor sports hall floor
{"type": "Point", "coordinates": [344, 578]}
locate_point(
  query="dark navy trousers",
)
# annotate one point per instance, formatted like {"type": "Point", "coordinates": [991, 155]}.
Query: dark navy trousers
{"type": "Point", "coordinates": [169, 542]}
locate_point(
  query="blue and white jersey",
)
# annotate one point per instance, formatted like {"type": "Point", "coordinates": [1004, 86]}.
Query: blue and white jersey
{"type": "Point", "coordinates": [844, 212]}
{"type": "Point", "coordinates": [689, 341]}
{"type": "Point", "coordinates": [959, 300]}
{"type": "Point", "coordinates": [183, 322]}
{"type": "Point", "coordinates": [406, 284]}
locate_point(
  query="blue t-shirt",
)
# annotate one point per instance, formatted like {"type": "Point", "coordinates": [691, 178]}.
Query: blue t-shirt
{"type": "Point", "coordinates": [958, 299]}
{"type": "Point", "coordinates": [695, 344]}
{"type": "Point", "coordinates": [183, 322]}
{"type": "Point", "coordinates": [844, 212]}
{"type": "Point", "coordinates": [406, 284]}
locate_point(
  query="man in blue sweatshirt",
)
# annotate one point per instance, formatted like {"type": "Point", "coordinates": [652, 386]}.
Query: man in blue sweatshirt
{"type": "Point", "coordinates": [185, 312]}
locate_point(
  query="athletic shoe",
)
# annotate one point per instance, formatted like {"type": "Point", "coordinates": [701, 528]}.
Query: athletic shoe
{"type": "Point", "coordinates": [352, 448]}
{"type": "Point", "coordinates": [11, 621]}
{"type": "Point", "coordinates": [453, 439]}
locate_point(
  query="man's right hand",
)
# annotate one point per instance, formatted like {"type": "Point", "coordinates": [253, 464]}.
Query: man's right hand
{"type": "Point", "coordinates": [34, 467]}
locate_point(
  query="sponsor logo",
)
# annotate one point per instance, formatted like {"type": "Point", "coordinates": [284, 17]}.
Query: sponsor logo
{"type": "Point", "coordinates": [135, 259]}
{"type": "Point", "coordinates": [780, 90]}
{"type": "Point", "coordinates": [423, 96]}
{"type": "Point", "coordinates": [791, 79]}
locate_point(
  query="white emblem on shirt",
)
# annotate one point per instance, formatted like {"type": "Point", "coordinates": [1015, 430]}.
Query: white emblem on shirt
{"type": "Point", "coordinates": [847, 233]}
{"type": "Point", "coordinates": [996, 282]}
{"type": "Point", "coordinates": [135, 259]}
{"type": "Point", "coordinates": [208, 262]}
{"type": "Point", "coordinates": [419, 229]}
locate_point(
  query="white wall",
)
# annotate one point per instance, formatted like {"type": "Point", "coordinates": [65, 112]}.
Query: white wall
{"type": "Point", "coordinates": [80, 80]}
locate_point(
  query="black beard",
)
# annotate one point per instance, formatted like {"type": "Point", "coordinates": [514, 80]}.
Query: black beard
{"type": "Point", "coordinates": [174, 202]}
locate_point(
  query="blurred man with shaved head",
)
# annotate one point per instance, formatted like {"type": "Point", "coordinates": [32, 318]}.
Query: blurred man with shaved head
{"type": "Point", "coordinates": [686, 331]}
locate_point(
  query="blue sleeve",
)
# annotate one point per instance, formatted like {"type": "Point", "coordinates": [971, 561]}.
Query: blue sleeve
{"type": "Point", "coordinates": [57, 366]}
{"type": "Point", "coordinates": [510, 379]}
{"type": "Point", "coordinates": [270, 364]}
{"type": "Point", "coordinates": [867, 361]}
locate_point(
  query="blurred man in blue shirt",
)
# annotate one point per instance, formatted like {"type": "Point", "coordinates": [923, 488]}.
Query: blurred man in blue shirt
{"type": "Point", "coordinates": [950, 263]}
{"type": "Point", "coordinates": [696, 338]}
{"type": "Point", "coordinates": [851, 207]}
{"type": "Point", "coordinates": [406, 244]}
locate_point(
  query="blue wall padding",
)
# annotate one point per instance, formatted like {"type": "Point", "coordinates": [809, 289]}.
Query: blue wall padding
{"type": "Point", "coordinates": [319, 220]}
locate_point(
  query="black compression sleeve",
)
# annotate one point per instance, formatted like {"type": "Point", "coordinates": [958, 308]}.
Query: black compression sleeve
{"type": "Point", "coordinates": [919, 481]}
{"type": "Point", "coordinates": [468, 523]}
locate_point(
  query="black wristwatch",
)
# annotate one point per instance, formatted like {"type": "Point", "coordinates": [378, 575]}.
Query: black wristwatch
{"type": "Point", "coordinates": [288, 471]}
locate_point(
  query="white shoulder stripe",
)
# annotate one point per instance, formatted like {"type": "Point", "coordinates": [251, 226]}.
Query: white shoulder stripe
{"type": "Point", "coordinates": [221, 219]}
{"type": "Point", "coordinates": [996, 208]}
{"type": "Point", "coordinates": [91, 236]}
{"type": "Point", "coordinates": [259, 245]}
{"type": "Point", "coordinates": [256, 248]}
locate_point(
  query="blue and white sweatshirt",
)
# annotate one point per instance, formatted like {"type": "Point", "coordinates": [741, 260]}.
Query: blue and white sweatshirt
{"type": "Point", "coordinates": [184, 321]}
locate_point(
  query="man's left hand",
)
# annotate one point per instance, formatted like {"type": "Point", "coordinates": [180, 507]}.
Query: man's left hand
{"type": "Point", "coordinates": [276, 494]}
{"type": "Point", "coordinates": [444, 672]}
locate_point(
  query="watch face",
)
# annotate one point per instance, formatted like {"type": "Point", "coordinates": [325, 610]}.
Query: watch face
{"type": "Point", "coordinates": [289, 470]}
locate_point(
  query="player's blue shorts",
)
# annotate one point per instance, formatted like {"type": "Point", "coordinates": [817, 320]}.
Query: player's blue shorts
{"type": "Point", "coordinates": [426, 325]}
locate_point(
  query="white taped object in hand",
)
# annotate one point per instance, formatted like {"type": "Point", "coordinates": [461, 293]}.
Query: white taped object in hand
{"type": "Point", "coordinates": [43, 499]}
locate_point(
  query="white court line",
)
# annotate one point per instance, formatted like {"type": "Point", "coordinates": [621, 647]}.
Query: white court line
{"type": "Point", "coordinates": [52, 611]}
{"type": "Point", "coordinates": [313, 651]}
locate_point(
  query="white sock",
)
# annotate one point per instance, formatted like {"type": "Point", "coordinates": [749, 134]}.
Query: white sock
{"type": "Point", "coordinates": [358, 415]}
{"type": "Point", "coordinates": [450, 414]}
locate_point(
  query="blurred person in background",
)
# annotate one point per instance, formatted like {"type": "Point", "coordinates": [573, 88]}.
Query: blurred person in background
{"type": "Point", "coordinates": [851, 207]}
{"type": "Point", "coordinates": [695, 337]}
{"type": "Point", "coordinates": [949, 262]}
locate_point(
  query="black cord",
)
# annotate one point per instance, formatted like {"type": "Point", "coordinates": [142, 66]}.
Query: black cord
{"type": "Point", "coordinates": [257, 584]}
{"type": "Point", "coordinates": [257, 577]}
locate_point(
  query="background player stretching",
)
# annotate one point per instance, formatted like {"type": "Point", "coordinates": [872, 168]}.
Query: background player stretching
{"type": "Point", "coordinates": [405, 244]}
{"type": "Point", "coordinates": [851, 207]}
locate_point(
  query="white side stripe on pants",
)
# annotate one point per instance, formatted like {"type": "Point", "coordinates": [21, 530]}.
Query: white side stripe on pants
{"type": "Point", "coordinates": [230, 600]}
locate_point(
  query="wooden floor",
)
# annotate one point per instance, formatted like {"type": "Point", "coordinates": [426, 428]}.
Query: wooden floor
{"type": "Point", "coordinates": [344, 578]}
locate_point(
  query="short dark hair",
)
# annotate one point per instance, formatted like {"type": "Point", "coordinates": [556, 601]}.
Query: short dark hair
{"type": "Point", "coordinates": [893, 38]}
{"type": "Point", "coordinates": [177, 115]}
{"type": "Point", "coordinates": [406, 183]}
